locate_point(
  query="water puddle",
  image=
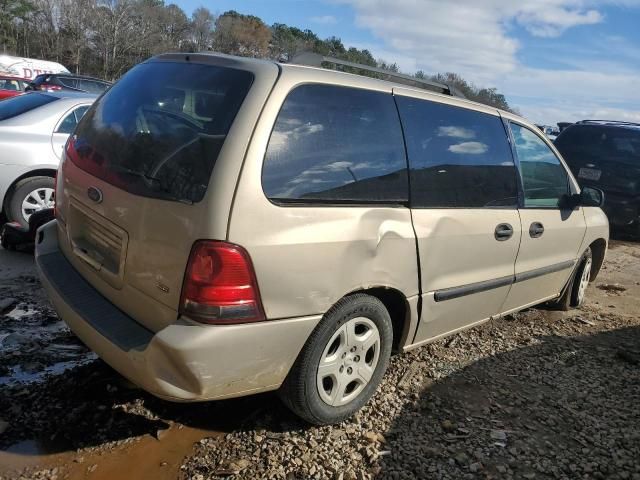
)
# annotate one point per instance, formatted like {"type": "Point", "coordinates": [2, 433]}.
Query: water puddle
{"type": "Point", "coordinates": [35, 344]}
{"type": "Point", "coordinates": [23, 374]}
{"type": "Point", "coordinates": [20, 313]}
{"type": "Point", "coordinates": [143, 457]}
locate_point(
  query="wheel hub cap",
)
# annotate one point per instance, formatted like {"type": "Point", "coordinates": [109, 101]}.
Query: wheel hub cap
{"type": "Point", "coordinates": [37, 200]}
{"type": "Point", "coordinates": [348, 361]}
{"type": "Point", "coordinates": [584, 281]}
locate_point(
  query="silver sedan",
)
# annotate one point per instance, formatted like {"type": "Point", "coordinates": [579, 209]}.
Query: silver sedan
{"type": "Point", "coordinates": [33, 131]}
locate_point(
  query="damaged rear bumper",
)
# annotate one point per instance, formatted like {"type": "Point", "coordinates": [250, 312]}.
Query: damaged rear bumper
{"type": "Point", "coordinates": [186, 361]}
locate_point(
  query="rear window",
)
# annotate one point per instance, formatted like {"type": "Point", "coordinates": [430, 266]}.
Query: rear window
{"type": "Point", "coordinates": [592, 143]}
{"type": "Point", "coordinates": [153, 135]}
{"type": "Point", "coordinates": [12, 107]}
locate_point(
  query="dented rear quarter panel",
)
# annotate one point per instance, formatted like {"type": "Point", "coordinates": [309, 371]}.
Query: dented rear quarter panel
{"type": "Point", "coordinates": [307, 257]}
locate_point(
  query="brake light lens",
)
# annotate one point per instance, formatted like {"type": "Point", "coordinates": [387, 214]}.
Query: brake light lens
{"type": "Point", "coordinates": [45, 87]}
{"type": "Point", "coordinates": [220, 285]}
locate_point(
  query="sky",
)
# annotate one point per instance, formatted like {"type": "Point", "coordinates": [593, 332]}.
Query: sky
{"type": "Point", "coordinates": [555, 60]}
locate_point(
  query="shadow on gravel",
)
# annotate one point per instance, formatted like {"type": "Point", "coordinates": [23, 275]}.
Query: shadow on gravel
{"type": "Point", "coordinates": [92, 404]}
{"type": "Point", "coordinates": [560, 407]}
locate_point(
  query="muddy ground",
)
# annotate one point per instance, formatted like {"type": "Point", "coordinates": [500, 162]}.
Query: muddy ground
{"type": "Point", "coordinates": [540, 394]}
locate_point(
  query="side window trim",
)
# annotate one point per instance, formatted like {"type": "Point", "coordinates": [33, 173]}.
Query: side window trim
{"type": "Point", "coordinates": [521, 194]}
{"type": "Point", "coordinates": [516, 160]}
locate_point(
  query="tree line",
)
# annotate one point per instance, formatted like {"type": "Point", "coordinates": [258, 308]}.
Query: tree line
{"type": "Point", "coordinates": [105, 38]}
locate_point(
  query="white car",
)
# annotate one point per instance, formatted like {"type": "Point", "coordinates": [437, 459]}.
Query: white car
{"type": "Point", "coordinates": [33, 131]}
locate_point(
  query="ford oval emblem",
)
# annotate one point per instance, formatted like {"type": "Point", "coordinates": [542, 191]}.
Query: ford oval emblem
{"type": "Point", "coordinates": [94, 194]}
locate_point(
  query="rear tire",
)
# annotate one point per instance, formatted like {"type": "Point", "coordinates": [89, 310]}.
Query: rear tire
{"type": "Point", "coordinates": [342, 363]}
{"type": "Point", "coordinates": [35, 192]}
{"type": "Point", "coordinates": [574, 294]}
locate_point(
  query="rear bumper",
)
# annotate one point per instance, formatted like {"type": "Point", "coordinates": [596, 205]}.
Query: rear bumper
{"type": "Point", "coordinates": [185, 361]}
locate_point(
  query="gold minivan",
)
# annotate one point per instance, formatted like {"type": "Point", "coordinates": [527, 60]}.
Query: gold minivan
{"type": "Point", "coordinates": [227, 226]}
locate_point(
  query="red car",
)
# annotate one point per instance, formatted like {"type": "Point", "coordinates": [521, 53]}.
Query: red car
{"type": "Point", "coordinates": [11, 86]}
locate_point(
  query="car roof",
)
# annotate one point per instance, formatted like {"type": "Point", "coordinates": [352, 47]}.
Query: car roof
{"type": "Point", "coordinates": [71, 75]}
{"type": "Point", "coordinates": [44, 117]}
{"type": "Point", "coordinates": [610, 123]}
{"type": "Point", "coordinates": [11, 77]}
{"type": "Point", "coordinates": [71, 94]}
{"type": "Point", "coordinates": [362, 80]}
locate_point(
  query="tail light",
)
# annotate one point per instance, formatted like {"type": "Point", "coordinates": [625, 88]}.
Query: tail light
{"type": "Point", "coordinates": [220, 285]}
{"type": "Point", "coordinates": [45, 87]}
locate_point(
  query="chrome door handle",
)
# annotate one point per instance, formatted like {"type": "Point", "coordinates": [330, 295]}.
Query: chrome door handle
{"type": "Point", "coordinates": [536, 230]}
{"type": "Point", "coordinates": [503, 232]}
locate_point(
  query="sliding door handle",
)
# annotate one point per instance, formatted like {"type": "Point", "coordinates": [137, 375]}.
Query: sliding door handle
{"type": "Point", "coordinates": [503, 232]}
{"type": "Point", "coordinates": [536, 230]}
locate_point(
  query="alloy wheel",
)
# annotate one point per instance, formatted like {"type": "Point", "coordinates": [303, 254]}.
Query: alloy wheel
{"type": "Point", "coordinates": [348, 361]}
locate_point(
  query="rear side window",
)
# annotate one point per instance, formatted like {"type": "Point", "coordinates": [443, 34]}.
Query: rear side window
{"type": "Point", "coordinates": [69, 122]}
{"type": "Point", "coordinates": [459, 158]}
{"type": "Point", "coordinates": [92, 86]}
{"type": "Point", "coordinates": [68, 82]}
{"type": "Point", "coordinates": [14, 106]}
{"type": "Point", "coordinates": [145, 136]}
{"type": "Point", "coordinates": [334, 144]}
{"type": "Point", "coordinates": [544, 178]}
{"type": "Point", "coordinates": [10, 84]}
{"type": "Point", "coordinates": [596, 144]}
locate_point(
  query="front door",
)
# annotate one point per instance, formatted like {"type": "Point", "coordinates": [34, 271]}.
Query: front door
{"type": "Point", "coordinates": [551, 232]}
{"type": "Point", "coordinates": [463, 183]}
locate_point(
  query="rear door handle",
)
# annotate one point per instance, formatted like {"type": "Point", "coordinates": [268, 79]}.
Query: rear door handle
{"type": "Point", "coordinates": [536, 230]}
{"type": "Point", "coordinates": [503, 232]}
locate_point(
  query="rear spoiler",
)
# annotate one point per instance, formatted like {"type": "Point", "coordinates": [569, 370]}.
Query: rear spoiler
{"type": "Point", "coordinates": [316, 60]}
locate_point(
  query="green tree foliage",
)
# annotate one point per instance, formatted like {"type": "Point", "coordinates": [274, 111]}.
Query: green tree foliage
{"type": "Point", "coordinates": [488, 96]}
{"type": "Point", "coordinates": [244, 35]}
{"type": "Point", "coordinates": [107, 37]}
{"type": "Point", "coordinates": [13, 15]}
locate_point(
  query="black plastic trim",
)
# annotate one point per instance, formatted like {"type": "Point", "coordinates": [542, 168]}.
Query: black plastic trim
{"type": "Point", "coordinates": [538, 272]}
{"type": "Point", "coordinates": [456, 292]}
{"type": "Point", "coordinates": [110, 322]}
{"type": "Point", "coordinates": [471, 288]}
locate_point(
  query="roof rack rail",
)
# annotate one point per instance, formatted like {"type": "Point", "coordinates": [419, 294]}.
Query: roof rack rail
{"type": "Point", "coordinates": [316, 60]}
{"type": "Point", "coordinates": [613, 122]}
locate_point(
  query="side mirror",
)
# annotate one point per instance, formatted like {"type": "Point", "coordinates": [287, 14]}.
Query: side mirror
{"type": "Point", "coordinates": [591, 197]}
{"type": "Point", "coordinates": [588, 197]}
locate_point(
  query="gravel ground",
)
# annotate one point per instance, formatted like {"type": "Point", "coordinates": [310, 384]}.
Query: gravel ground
{"type": "Point", "coordinates": [540, 394]}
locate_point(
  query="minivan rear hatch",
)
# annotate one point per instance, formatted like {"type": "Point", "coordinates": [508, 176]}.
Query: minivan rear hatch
{"type": "Point", "coordinates": [607, 157]}
{"type": "Point", "coordinates": [136, 178]}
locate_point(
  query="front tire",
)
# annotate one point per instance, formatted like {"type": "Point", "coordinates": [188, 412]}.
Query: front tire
{"type": "Point", "coordinates": [574, 294]}
{"type": "Point", "coordinates": [342, 363]}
